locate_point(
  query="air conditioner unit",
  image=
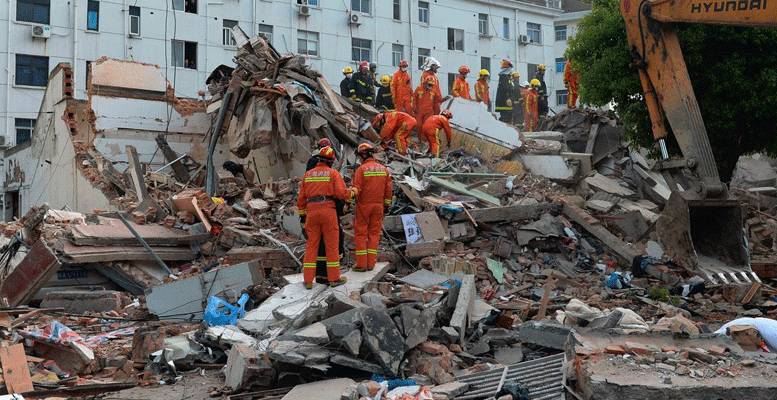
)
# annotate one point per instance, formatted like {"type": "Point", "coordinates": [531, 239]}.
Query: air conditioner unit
{"type": "Point", "coordinates": [354, 19]}
{"type": "Point", "coordinates": [304, 11]}
{"type": "Point", "coordinates": [4, 142]}
{"type": "Point", "coordinates": [524, 39]}
{"type": "Point", "coordinates": [41, 31]}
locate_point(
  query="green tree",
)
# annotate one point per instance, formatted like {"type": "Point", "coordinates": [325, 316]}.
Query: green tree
{"type": "Point", "coordinates": [733, 71]}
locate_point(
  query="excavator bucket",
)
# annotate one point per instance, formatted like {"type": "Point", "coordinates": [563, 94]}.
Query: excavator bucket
{"type": "Point", "coordinates": [707, 238]}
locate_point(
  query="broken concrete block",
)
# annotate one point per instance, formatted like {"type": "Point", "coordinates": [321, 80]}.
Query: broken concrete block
{"type": "Point", "coordinates": [544, 334]}
{"type": "Point", "coordinates": [375, 300]}
{"type": "Point", "coordinates": [508, 355]}
{"type": "Point", "coordinates": [82, 301]}
{"type": "Point", "coordinates": [450, 389]}
{"type": "Point", "coordinates": [464, 306]}
{"type": "Point", "coordinates": [383, 338]}
{"type": "Point", "coordinates": [419, 330]}
{"type": "Point", "coordinates": [355, 363]}
{"type": "Point", "coordinates": [246, 367]}
{"type": "Point", "coordinates": [145, 341]}
{"type": "Point", "coordinates": [753, 172]}
{"type": "Point", "coordinates": [322, 390]}
{"type": "Point", "coordinates": [315, 333]}
{"type": "Point", "coordinates": [339, 326]}
{"type": "Point", "coordinates": [353, 342]}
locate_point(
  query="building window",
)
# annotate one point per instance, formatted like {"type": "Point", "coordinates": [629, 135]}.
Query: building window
{"type": "Point", "coordinates": [362, 6]}
{"type": "Point", "coordinates": [93, 15]}
{"type": "Point", "coordinates": [506, 28]}
{"type": "Point", "coordinates": [532, 69]}
{"type": "Point", "coordinates": [226, 33]}
{"type": "Point", "coordinates": [189, 6]}
{"type": "Point", "coordinates": [24, 128]}
{"type": "Point", "coordinates": [560, 63]}
{"type": "Point", "coordinates": [485, 63]}
{"type": "Point", "coordinates": [561, 33]}
{"type": "Point", "coordinates": [307, 43]}
{"type": "Point", "coordinates": [33, 11]}
{"type": "Point", "coordinates": [88, 74]}
{"type": "Point", "coordinates": [184, 54]}
{"type": "Point", "coordinates": [134, 16]}
{"type": "Point", "coordinates": [422, 54]}
{"type": "Point", "coordinates": [361, 49]}
{"type": "Point", "coordinates": [397, 10]}
{"type": "Point", "coordinates": [313, 3]}
{"type": "Point", "coordinates": [423, 12]}
{"type": "Point", "coordinates": [266, 31]}
{"type": "Point", "coordinates": [32, 70]}
{"type": "Point", "coordinates": [397, 54]}
{"type": "Point", "coordinates": [533, 31]}
{"type": "Point", "coordinates": [451, 81]}
{"type": "Point", "coordinates": [561, 97]}
{"type": "Point", "coordinates": [455, 39]}
{"type": "Point", "coordinates": [483, 24]}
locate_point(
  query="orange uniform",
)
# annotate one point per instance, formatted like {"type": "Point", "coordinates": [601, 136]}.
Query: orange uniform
{"type": "Point", "coordinates": [431, 75]}
{"type": "Point", "coordinates": [431, 130]}
{"type": "Point", "coordinates": [426, 101]}
{"type": "Point", "coordinates": [402, 92]}
{"type": "Point", "coordinates": [398, 127]}
{"type": "Point", "coordinates": [317, 192]}
{"type": "Point", "coordinates": [461, 88]}
{"type": "Point", "coordinates": [481, 92]}
{"type": "Point", "coordinates": [530, 110]}
{"type": "Point", "coordinates": [570, 80]}
{"type": "Point", "coordinates": [373, 184]}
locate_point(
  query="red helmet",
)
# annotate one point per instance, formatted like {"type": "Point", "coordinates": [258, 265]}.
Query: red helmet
{"type": "Point", "coordinates": [507, 64]}
{"type": "Point", "coordinates": [365, 149]}
{"type": "Point", "coordinates": [429, 80]}
{"type": "Point", "coordinates": [464, 70]}
{"type": "Point", "coordinates": [378, 119]}
{"type": "Point", "coordinates": [326, 153]}
{"type": "Point", "coordinates": [447, 114]}
{"type": "Point", "coordinates": [324, 143]}
{"type": "Point", "coordinates": [364, 64]}
{"type": "Point", "coordinates": [403, 63]}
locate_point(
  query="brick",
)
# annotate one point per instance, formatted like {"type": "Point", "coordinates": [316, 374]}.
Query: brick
{"type": "Point", "coordinates": [717, 351]}
{"type": "Point", "coordinates": [433, 348]}
{"type": "Point", "coordinates": [639, 348]}
{"type": "Point", "coordinates": [615, 349]}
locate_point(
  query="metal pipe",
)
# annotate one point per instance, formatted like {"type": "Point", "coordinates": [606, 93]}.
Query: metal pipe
{"type": "Point", "coordinates": [214, 139]}
{"type": "Point", "coordinates": [171, 163]}
{"type": "Point", "coordinates": [266, 233]}
{"type": "Point", "coordinates": [143, 242]}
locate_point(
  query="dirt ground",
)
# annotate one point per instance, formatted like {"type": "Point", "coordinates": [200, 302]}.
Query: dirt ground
{"type": "Point", "coordinates": [195, 385]}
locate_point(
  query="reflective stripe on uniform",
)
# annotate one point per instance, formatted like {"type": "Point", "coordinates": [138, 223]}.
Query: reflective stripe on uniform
{"type": "Point", "coordinates": [361, 252]}
{"type": "Point", "coordinates": [309, 265]}
{"type": "Point", "coordinates": [317, 179]}
{"type": "Point", "coordinates": [375, 173]}
{"type": "Point", "coordinates": [372, 251]}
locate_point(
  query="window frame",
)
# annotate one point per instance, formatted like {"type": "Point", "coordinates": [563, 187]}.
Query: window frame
{"type": "Point", "coordinates": [183, 6]}
{"type": "Point", "coordinates": [134, 12]}
{"type": "Point", "coordinates": [307, 40]}
{"type": "Point", "coordinates": [483, 24]}
{"type": "Point", "coordinates": [422, 57]}
{"type": "Point", "coordinates": [361, 4]}
{"type": "Point", "coordinates": [227, 38]}
{"type": "Point", "coordinates": [260, 32]}
{"type": "Point", "coordinates": [35, 5]}
{"type": "Point", "coordinates": [397, 56]}
{"type": "Point", "coordinates": [560, 64]}
{"type": "Point", "coordinates": [424, 12]}
{"type": "Point", "coordinates": [356, 47]}
{"type": "Point", "coordinates": [562, 30]}
{"type": "Point", "coordinates": [31, 61]}
{"type": "Point", "coordinates": [186, 45]}
{"type": "Point", "coordinates": [534, 29]}
{"type": "Point", "coordinates": [559, 94]}
{"type": "Point", "coordinates": [30, 129]}
{"type": "Point", "coordinates": [453, 45]}
{"type": "Point", "coordinates": [506, 28]}
{"type": "Point", "coordinates": [397, 10]}
{"type": "Point", "coordinates": [96, 11]}
{"type": "Point", "coordinates": [485, 63]}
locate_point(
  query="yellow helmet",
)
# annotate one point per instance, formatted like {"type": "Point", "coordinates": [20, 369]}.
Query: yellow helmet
{"type": "Point", "coordinates": [348, 70]}
{"type": "Point", "coordinates": [483, 72]}
{"type": "Point", "coordinates": [385, 79]}
{"type": "Point", "coordinates": [541, 67]}
{"type": "Point", "coordinates": [534, 82]}
{"type": "Point", "coordinates": [515, 74]}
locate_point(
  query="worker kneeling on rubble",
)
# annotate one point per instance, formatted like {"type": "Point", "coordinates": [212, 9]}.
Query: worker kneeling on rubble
{"type": "Point", "coordinates": [373, 196]}
{"type": "Point", "coordinates": [316, 202]}
{"type": "Point", "coordinates": [394, 125]}
{"type": "Point", "coordinates": [433, 126]}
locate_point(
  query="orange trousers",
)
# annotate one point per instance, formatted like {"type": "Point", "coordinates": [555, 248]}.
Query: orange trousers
{"type": "Point", "coordinates": [322, 222]}
{"type": "Point", "coordinates": [402, 137]}
{"type": "Point", "coordinates": [366, 231]}
{"type": "Point", "coordinates": [421, 118]}
{"type": "Point", "coordinates": [404, 104]}
{"type": "Point", "coordinates": [434, 141]}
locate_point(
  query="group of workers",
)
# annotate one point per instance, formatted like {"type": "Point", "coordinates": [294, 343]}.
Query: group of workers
{"type": "Point", "coordinates": [323, 197]}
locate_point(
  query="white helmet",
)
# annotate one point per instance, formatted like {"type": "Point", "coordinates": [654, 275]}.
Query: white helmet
{"type": "Point", "coordinates": [525, 84]}
{"type": "Point", "coordinates": [431, 62]}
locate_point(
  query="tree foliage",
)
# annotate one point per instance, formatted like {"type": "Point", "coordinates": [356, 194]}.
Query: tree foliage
{"type": "Point", "coordinates": [733, 71]}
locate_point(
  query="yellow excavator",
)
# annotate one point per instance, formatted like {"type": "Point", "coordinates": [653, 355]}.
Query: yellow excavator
{"type": "Point", "coordinates": [701, 226]}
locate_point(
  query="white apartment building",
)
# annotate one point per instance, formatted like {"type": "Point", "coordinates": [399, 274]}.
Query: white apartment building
{"type": "Point", "coordinates": [189, 38]}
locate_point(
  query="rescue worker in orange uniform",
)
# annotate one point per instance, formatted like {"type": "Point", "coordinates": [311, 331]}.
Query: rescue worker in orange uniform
{"type": "Point", "coordinates": [394, 125]}
{"type": "Point", "coordinates": [432, 65]}
{"type": "Point", "coordinates": [481, 88]}
{"type": "Point", "coordinates": [426, 100]}
{"type": "Point", "coordinates": [316, 203]}
{"type": "Point", "coordinates": [531, 104]}
{"type": "Point", "coordinates": [373, 197]}
{"type": "Point", "coordinates": [402, 89]}
{"type": "Point", "coordinates": [570, 81]}
{"type": "Point", "coordinates": [460, 86]}
{"type": "Point", "coordinates": [433, 126]}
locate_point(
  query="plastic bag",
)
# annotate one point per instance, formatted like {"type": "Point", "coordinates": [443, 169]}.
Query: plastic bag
{"type": "Point", "coordinates": [219, 312]}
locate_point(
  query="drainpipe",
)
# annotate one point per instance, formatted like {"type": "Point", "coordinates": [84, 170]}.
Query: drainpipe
{"type": "Point", "coordinates": [410, 27]}
{"type": "Point", "coordinates": [75, 48]}
{"type": "Point", "coordinates": [8, 84]}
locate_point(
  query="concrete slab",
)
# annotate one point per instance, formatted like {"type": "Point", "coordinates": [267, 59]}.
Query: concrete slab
{"type": "Point", "coordinates": [553, 167]}
{"type": "Point", "coordinates": [544, 334]}
{"type": "Point", "coordinates": [424, 278]}
{"type": "Point", "coordinates": [383, 338]}
{"type": "Point", "coordinates": [322, 390]}
{"type": "Point", "coordinates": [464, 306]}
{"type": "Point", "coordinates": [474, 118]}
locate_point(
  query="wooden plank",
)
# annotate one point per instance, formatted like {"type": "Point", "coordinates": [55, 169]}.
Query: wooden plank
{"type": "Point", "coordinates": [330, 94]}
{"type": "Point", "coordinates": [460, 188]}
{"type": "Point", "coordinates": [15, 371]}
{"type": "Point", "coordinates": [181, 174]}
{"type": "Point", "coordinates": [138, 181]}
{"type": "Point", "coordinates": [550, 284]}
{"type": "Point", "coordinates": [750, 293]}
{"type": "Point", "coordinates": [610, 240]}
{"type": "Point", "coordinates": [35, 270]}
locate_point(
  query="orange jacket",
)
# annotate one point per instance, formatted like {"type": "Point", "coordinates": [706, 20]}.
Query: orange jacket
{"type": "Point", "coordinates": [430, 74]}
{"type": "Point", "coordinates": [401, 85]}
{"type": "Point", "coordinates": [570, 77]}
{"type": "Point", "coordinates": [373, 183]}
{"type": "Point", "coordinates": [320, 182]}
{"type": "Point", "coordinates": [436, 122]}
{"type": "Point", "coordinates": [481, 92]}
{"type": "Point", "coordinates": [461, 88]}
{"type": "Point", "coordinates": [425, 101]}
{"type": "Point", "coordinates": [394, 121]}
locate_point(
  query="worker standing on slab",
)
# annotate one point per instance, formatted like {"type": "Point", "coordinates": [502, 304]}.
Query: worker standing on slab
{"type": "Point", "coordinates": [460, 86]}
{"type": "Point", "coordinates": [321, 274]}
{"type": "Point", "coordinates": [383, 101]}
{"type": "Point", "coordinates": [394, 125]}
{"type": "Point", "coordinates": [373, 197]}
{"type": "Point", "coordinates": [430, 73]}
{"type": "Point", "coordinates": [426, 101]}
{"type": "Point", "coordinates": [316, 203]}
{"type": "Point", "coordinates": [346, 86]}
{"type": "Point", "coordinates": [432, 129]}
{"type": "Point", "coordinates": [518, 94]}
{"type": "Point", "coordinates": [532, 106]}
{"type": "Point", "coordinates": [481, 89]}
{"type": "Point", "coordinates": [362, 84]}
{"type": "Point", "coordinates": [542, 91]}
{"type": "Point", "coordinates": [402, 89]}
{"type": "Point", "coordinates": [570, 81]}
{"type": "Point", "coordinates": [504, 93]}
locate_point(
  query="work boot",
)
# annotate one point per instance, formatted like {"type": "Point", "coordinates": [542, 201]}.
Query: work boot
{"type": "Point", "coordinates": [308, 285]}
{"type": "Point", "coordinates": [338, 282]}
{"type": "Point", "coordinates": [360, 269]}
{"type": "Point", "coordinates": [322, 280]}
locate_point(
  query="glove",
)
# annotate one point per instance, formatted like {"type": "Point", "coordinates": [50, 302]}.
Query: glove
{"type": "Point", "coordinates": [302, 219]}
{"type": "Point", "coordinates": [353, 97]}
{"type": "Point", "coordinates": [509, 103]}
